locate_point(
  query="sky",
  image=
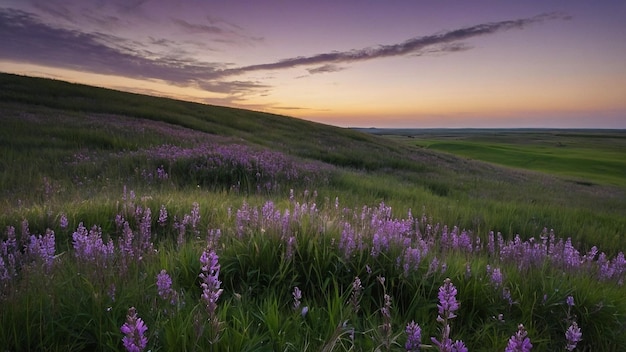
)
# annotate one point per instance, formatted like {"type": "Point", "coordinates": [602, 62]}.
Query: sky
{"type": "Point", "coordinates": [350, 63]}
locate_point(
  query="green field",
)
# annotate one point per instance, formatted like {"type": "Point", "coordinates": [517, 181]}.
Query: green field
{"type": "Point", "coordinates": [100, 191]}
{"type": "Point", "coordinates": [584, 156]}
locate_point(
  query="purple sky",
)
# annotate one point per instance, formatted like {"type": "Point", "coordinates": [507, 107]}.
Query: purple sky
{"type": "Point", "coordinates": [346, 63]}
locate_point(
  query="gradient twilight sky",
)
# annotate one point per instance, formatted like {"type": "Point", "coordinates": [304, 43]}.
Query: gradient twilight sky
{"type": "Point", "coordinates": [354, 63]}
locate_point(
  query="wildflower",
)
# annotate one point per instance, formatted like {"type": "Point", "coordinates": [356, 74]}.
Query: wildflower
{"type": "Point", "coordinates": [211, 290]}
{"type": "Point", "coordinates": [304, 311]}
{"type": "Point", "coordinates": [162, 215]}
{"type": "Point", "coordinates": [4, 273]}
{"type": "Point", "coordinates": [195, 217]}
{"type": "Point", "coordinates": [414, 337]}
{"type": "Point", "coordinates": [519, 342]}
{"type": "Point", "coordinates": [63, 221]}
{"type": "Point", "coordinates": [297, 296]}
{"type": "Point", "coordinates": [496, 277]}
{"type": "Point", "coordinates": [506, 295]}
{"type": "Point", "coordinates": [357, 287]}
{"type": "Point", "coordinates": [447, 306]}
{"type": "Point", "coordinates": [161, 173]}
{"type": "Point", "coordinates": [164, 286]}
{"type": "Point", "coordinates": [573, 335]}
{"type": "Point", "coordinates": [447, 301]}
{"type": "Point", "coordinates": [386, 327]}
{"type": "Point", "coordinates": [134, 329]}
{"type": "Point", "coordinates": [570, 301]}
{"type": "Point", "coordinates": [90, 248]}
{"type": "Point", "coordinates": [291, 243]}
{"type": "Point", "coordinates": [459, 346]}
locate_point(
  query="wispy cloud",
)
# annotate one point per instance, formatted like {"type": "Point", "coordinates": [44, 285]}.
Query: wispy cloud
{"type": "Point", "coordinates": [326, 68]}
{"type": "Point", "coordinates": [28, 38]}
{"type": "Point", "coordinates": [197, 28]}
{"type": "Point", "coordinates": [440, 42]}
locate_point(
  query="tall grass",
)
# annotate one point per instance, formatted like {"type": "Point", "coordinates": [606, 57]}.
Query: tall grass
{"type": "Point", "coordinates": [266, 251]}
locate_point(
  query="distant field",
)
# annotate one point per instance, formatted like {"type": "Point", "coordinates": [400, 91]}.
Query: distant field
{"type": "Point", "coordinates": [582, 156]}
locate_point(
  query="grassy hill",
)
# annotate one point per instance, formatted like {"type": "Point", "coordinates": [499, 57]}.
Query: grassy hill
{"type": "Point", "coordinates": [153, 183]}
{"type": "Point", "coordinates": [45, 123]}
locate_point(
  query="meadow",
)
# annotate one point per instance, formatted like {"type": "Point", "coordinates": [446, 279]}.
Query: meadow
{"type": "Point", "coordinates": [585, 156]}
{"type": "Point", "coordinates": [131, 222]}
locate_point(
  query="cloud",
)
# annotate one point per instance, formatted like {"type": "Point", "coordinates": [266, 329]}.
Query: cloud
{"type": "Point", "coordinates": [221, 31]}
{"type": "Point", "coordinates": [197, 28]}
{"type": "Point", "coordinates": [326, 68]}
{"type": "Point", "coordinates": [441, 42]}
{"type": "Point", "coordinates": [25, 37]}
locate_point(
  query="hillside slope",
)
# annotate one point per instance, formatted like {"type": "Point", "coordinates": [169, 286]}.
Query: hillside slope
{"type": "Point", "coordinates": [74, 136]}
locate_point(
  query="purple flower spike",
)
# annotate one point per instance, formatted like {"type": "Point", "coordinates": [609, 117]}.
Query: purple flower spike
{"type": "Point", "coordinates": [297, 296]}
{"type": "Point", "coordinates": [164, 283]}
{"type": "Point", "coordinates": [414, 337]}
{"type": "Point", "coordinates": [164, 287]}
{"type": "Point", "coordinates": [134, 329]}
{"type": "Point", "coordinates": [459, 346]}
{"type": "Point", "coordinates": [211, 290]}
{"type": "Point", "coordinates": [570, 301]}
{"type": "Point", "coordinates": [63, 222]}
{"type": "Point", "coordinates": [573, 336]}
{"type": "Point", "coordinates": [519, 342]}
{"type": "Point", "coordinates": [447, 301]}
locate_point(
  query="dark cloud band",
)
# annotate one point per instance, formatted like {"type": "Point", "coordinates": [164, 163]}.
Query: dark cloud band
{"type": "Point", "coordinates": [416, 46]}
{"type": "Point", "coordinates": [27, 38]}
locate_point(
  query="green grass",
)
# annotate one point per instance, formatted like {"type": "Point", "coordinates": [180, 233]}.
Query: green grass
{"type": "Point", "coordinates": [595, 157]}
{"type": "Point", "coordinates": [581, 163]}
{"type": "Point", "coordinates": [79, 151]}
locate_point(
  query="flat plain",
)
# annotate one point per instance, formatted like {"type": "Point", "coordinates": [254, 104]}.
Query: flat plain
{"type": "Point", "coordinates": [586, 156]}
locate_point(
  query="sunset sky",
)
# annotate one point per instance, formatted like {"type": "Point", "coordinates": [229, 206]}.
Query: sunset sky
{"type": "Point", "coordinates": [347, 63]}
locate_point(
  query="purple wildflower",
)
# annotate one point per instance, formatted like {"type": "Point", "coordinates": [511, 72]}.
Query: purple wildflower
{"type": "Point", "coordinates": [570, 301]}
{"type": "Point", "coordinates": [297, 296]}
{"type": "Point", "coordinates": [90, 248]}
{"type": "Point", "coordinates": [355, 297]}
{"type": "Point", "coordinates": [385, 311]}
{"type": "Point", "coordinates": [63, 221]}
{"type": "Point", "coordinates": [496, 277]}
{"type": "Point", "coordinates": [291, 243]}
{"type": "Point", "coordinates": [573, 336]}
{"type": "Point", "coordinates": [161, 173]}
{"type": "Point", "coordinates": [211, 290]}
{"type": "Point", "coordinates": [447, 301]}
{"type": "Point", "coordinates": [162, 215]}
{"type": "Point", "coordinates": [414, 337]}
{"type": "Point", "coordinates": [134, 329]}
{"type": "Point", "coordinates": [164, 284]}
{"type": "Point", "coordinates": [195, 217]}
{"type": "Point", "coordinates": [145, 232]}
{"type": "Point", "coordinates": [42, 247]}
{"type": "Point", "coordinates": [4, 273]}
{"type": "Point", "coordinates": [447, 306]}
{"type": "Point", "coordinates": [519, 342]}
{"type": "Point", "coordinates": [459, 346]}
{"type": "Point", "coordinates": [506, 295]}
